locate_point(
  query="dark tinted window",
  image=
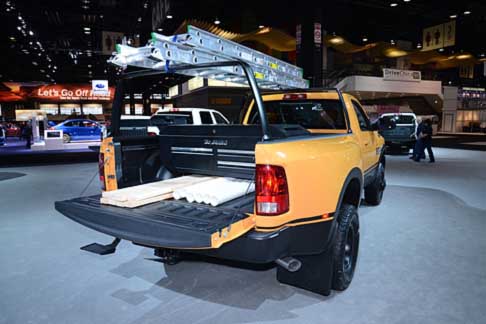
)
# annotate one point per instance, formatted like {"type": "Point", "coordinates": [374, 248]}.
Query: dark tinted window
{"type": "Point", "coordinates": [68, 124]}
{"type": "Point", "coordinates": [206, 117]}
{"type": "Point", "coordinates": [400, 119]}
{"type": "Point", "coordinates": [219, 119]}
{"type": "Point", "coordinates": [168, 119]}
{"type": "Point", "coordinates": [364, 123]}
{"type": "Point", "coordinates": [312, 114]}
{"type": "Point", "coordinates": [187, 116]}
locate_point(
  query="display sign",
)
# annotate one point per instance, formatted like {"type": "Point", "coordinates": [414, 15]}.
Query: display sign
{"type": "Point", "coordinates": [15, 91]}
{"type": "Point", "coordinates": [298, 35]}
{"type": "Point", "coordinates": [450, 33]}
{"type": "Point", "coordinates": [100, 87]}
{"type": "Point", "coordinates": [439, 36]}
{"type": "Point", "coordinates": [401, 75]}
{"type": "Point", "coordinates": [109, 40]}
{"type": "Point", "coordinates": [317, 34]}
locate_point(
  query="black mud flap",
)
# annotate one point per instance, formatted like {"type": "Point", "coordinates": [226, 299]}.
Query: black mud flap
{"type": "Point", "coordinates": [314, 275]}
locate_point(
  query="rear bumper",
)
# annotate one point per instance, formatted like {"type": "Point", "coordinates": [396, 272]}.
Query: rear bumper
{"type": "Point", "coordinates": [265, 247]}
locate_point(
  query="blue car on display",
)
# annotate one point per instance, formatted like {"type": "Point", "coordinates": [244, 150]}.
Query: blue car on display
{"type": "Point", "coordinates": [79, 130]}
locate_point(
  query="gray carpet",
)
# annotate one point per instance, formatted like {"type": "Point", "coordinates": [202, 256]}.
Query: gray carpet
{"type": "Point", "coordinates": [422, 260]}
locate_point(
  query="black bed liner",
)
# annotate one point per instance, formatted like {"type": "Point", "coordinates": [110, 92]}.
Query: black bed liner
{"type": "Point", "coordinates": [169, 223]}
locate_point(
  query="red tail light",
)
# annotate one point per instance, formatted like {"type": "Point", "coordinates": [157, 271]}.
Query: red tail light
{"type": "Point", "coordinates": [101, 168]}
{"type": "Point", "coordinates": [272, 193]}
{"type": "Point", "coordinates": [151, 134]}
{"type": "Point", "coordinates": [295, 96]}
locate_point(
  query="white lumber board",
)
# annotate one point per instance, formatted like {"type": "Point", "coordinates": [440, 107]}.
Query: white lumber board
{"type": "Point", "coordinates": [135, 203]}
{"type": "Point", "coordinates": [153, 189]}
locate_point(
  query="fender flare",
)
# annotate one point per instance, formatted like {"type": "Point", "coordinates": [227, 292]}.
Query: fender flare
{"type": "Point", "coordinates": [355, 173]}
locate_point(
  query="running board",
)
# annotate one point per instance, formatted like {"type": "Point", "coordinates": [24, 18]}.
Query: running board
{"type": "Point", "coordinates": [101, 249]}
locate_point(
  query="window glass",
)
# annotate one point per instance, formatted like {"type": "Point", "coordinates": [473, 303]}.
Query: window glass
{"type": "Point", "coordinates": [219, 119]}
{"type": "Point", "coordinates": [364, 123]}
{"type": "Point", "coordinates": [206, 117]}
{"type": "Point", "coordinates": [311, 114]}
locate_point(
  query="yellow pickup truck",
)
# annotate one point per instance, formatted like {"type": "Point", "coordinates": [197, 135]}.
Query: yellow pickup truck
{"type": "Point", "coordinates": [313, 155]}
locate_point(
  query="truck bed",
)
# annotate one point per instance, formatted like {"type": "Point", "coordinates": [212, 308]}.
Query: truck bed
{"type": "Point", "coordinates": [169, 223]}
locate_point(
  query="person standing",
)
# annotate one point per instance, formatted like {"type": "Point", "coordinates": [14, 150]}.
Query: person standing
{"type": "Point", "coordinates": [426, 142]}
{"type": "Point", "coordinates": [28, 135]}
{"type": "Point", "coordinates": [417, 148]}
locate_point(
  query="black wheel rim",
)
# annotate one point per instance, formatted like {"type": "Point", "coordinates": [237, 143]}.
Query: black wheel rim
{"type": "Point", "coordinates": [349, 247]}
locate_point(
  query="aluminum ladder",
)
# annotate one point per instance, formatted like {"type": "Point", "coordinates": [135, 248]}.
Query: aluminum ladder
{"type": "Point", "coordinates": [199, 53]}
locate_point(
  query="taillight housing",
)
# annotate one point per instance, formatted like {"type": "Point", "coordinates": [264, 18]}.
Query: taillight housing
{"type": "Point", "coordinates": [101, 168]}
{"type": "Point", "coordinates": [272, 192]}
{"type": "Point", "coordinates": [151, 134]}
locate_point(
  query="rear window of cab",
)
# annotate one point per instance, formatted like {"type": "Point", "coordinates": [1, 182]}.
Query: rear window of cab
{"type": "Point", "coordinates": [311, 114]}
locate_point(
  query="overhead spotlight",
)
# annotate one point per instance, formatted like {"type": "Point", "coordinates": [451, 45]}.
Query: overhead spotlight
{"type": "Point", "coordinates": [453, 16]}
{"type": "Point", "coordinates": [169, 16]}
{"type": "Point", "coordinates": [441, 49]}
{"type": "Point", "coordinates": [392, 42]}
{"type": "Point", "coordinates": [89, 65]}
{"type": "Point", "coordinates": [393, 4]}
{"type": "Point", "coordinates": [139, 19]}
{"type": "Point", "coordinates": [406, 0]}
{"type": "Point", "coordinates": [365, 39]}
{"type": "Point", "coordinates": [217, 21]}
{"type": "Point", "coordinates": [87, 28]}
{"type": "Point", "coordinates": [483, 55]}
{"type": "Point", "coordinates": [261, 26]}
{"type": "Point", "coordinates": [159, 29]}
{"type": "Point", "coordinates": [19, 28]}
{"type": "Point", "coordinates": [12, 38]}
{"type": "Point", "coordinates": [419, 45]}
{"type": "Point", "coordinates": [31, 33]}
{"type": "Point", "coordinates": [467, 12]}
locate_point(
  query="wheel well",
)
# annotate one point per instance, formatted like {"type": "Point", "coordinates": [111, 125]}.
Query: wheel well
{"type": "Point", "coordinates": [352, 194]}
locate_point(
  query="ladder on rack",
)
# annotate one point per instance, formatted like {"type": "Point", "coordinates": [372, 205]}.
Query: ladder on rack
{"type": "Point", "coordinates": [200, 53]}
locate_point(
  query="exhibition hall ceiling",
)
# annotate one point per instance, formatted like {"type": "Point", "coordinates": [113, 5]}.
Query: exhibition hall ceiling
{"type": "Point", "coordinates": [70, 41]}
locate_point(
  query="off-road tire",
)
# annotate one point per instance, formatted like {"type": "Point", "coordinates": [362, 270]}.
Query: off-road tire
{"type": "Point", "coordinates": [374, 191]}
{"type": "Point", "coordinates": [345, 248]}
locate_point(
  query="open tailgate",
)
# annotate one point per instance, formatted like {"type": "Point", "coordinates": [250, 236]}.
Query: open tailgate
{"type": "Point", "coordinates": [169, 223]}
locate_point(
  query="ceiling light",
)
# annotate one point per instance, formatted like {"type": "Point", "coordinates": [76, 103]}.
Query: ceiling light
{"type": "Point", "coordinates": [441, 49]}
{"type": "Point", "coordinates": [34, 62]}
{"type": "Point", "coordinates": [467, 12]}
{"type": "Point", "coordinates": [12, 39]}
{"type": "Point", "coordinates": [159, 29]}
{"type": "Point", "coordinates": [89, 65]}
{"type": "Point", "coordinates": [336, 40]}
{"type": "Point", "coordinates": [145, 5]}
{"type": "Point", "coordinates": [365, 39]}
{"type": "Point", "coordinates": [87, 28]}
{"type": "Point", "coordinates": [453, 16]}
{"type": "Point", "coordinates": [463, 56]}
{"type": "Point", "coordinates": [261, 26]}
{"type": "Point", "coordinates": [419, 45]}
{"type": "Point", "coordinates": [139, 19]}
{"type": "Point", "coordinates": [169, 16]}
{"type": "Point", "coordinates": [31, 33]}
{"type": "Point", "coordinates": [87, 32]}
{"type": "Point", "coordinates": [392, 42]}
{"type": "Point", "coordinates": [406, 0]}
{"type": "Point", "coordinates": [393, 4]}
{"type": "Point", "coordinates": [482, 54]}
{"type": "Point", "coordinates": [19, 28]}
{"type": "Point", "coordinates": [217, 21]}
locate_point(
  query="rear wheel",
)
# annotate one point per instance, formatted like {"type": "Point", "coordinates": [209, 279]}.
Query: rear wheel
{"type": "Point", "coordinates": [66, 138]}
{"type": "Point", "coordinates": [374, 191]}
{"type": "Point", "coordinates": [346, 246]}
